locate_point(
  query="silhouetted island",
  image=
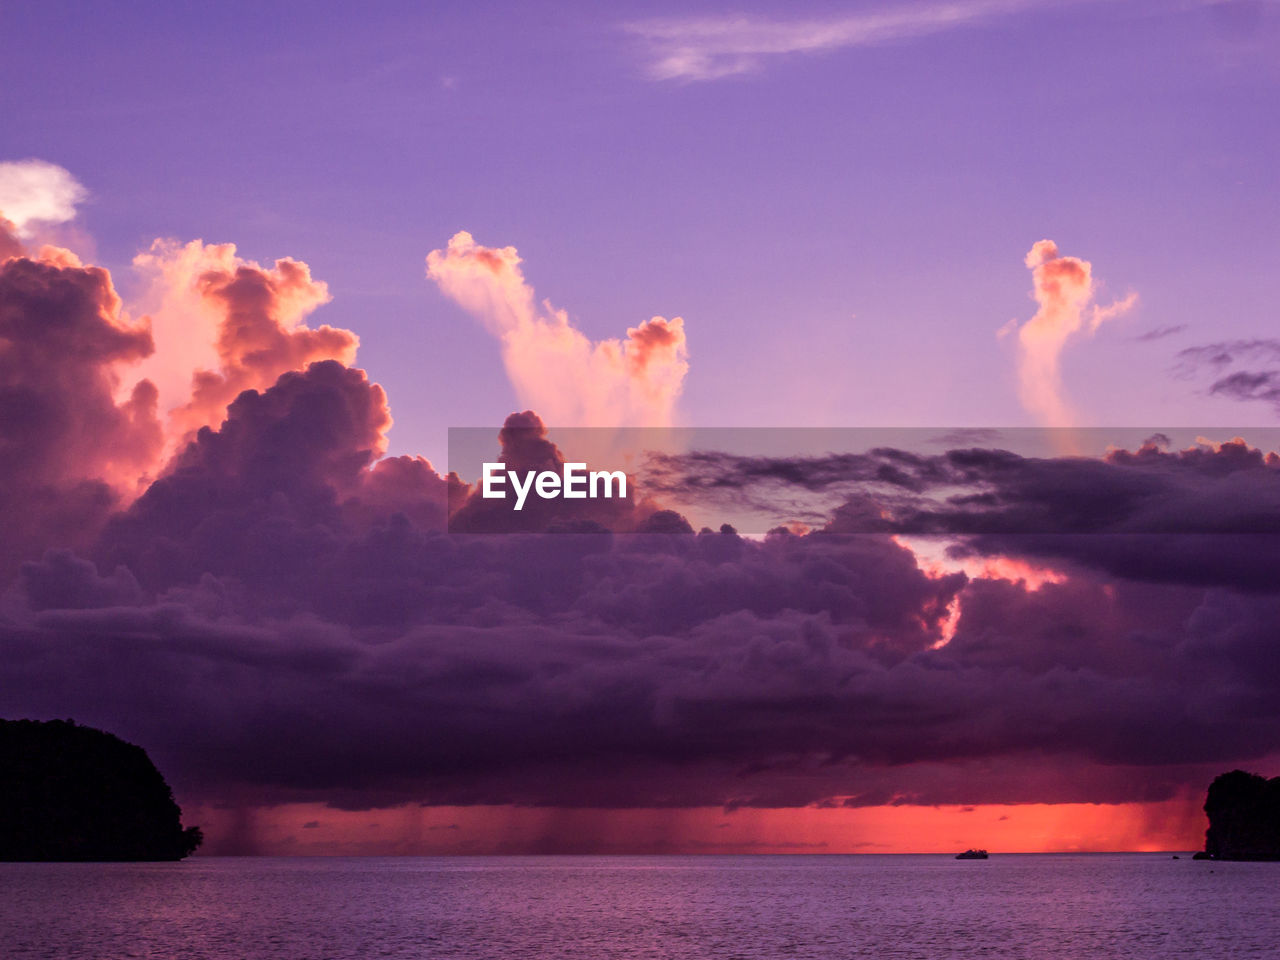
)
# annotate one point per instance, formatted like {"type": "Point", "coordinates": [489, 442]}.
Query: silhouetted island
{"type": "Point", "coordinates": [1244, 818]}
{"type": "Point", "coordinates": [75, 793]}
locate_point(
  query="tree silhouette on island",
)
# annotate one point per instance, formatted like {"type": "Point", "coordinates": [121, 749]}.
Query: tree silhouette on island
{"type": "Point", "coordinates": [75, 793]}
{"type": "Point", "coordinates": [1244, 818]}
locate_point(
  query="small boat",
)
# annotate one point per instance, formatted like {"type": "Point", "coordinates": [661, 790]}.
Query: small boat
{"type": "Point", "coordinates": [972, 855]}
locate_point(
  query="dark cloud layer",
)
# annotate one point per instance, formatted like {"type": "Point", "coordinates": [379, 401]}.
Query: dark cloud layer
{"type": "Point", "coordinates": [1203, 516]}
{"type": "Point", "coordinates": [281, 613]}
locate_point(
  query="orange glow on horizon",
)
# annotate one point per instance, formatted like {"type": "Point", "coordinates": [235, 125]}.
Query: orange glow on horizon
{"type": "Point", "coordinates": [303, 829]}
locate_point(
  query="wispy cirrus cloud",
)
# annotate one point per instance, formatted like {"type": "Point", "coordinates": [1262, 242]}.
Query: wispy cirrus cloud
{"type": "Point", "coordinates": [1259, 383]}
{"type": "Point", "coordinates": [709, 48]}
{"type": "Point", "coordinates": [1160, 333]}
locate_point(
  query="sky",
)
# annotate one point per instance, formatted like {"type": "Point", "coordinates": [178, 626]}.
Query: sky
{"type": "Point", "coordinates": [815, 217]}
{"type": "Point", "coordinates": [974, 214]}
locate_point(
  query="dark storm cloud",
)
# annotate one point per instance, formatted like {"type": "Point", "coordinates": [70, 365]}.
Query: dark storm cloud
{"type": "Point", "coordinates": [281, 616]}
{"type": "Point", "coordinates": [603, 701]}
{"type": "Point", "coordinates": [1230, 489]}
{"type": "Point", "coordinates": [1202, 516]}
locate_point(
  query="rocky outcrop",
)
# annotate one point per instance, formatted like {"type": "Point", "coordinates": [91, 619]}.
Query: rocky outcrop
{"type": "Point", "coordinates": [75, 793]}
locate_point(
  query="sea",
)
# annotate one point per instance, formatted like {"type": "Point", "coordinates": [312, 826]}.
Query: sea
{"type": "Point", "coordinates": [1135, 906]}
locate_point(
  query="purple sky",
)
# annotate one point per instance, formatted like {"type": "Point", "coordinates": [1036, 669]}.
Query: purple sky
{"type": "Point", "coordinates": [848, 222]}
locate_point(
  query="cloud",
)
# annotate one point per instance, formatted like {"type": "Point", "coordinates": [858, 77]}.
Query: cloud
{"type": "Point", "coordinates": [223, 324]}
{"type": "Point", "coordinates": [10, 245]}
{"type": "Point", "coordinates": [1240, 384]}
{"type": "Point", "coordinates": [274, 633]}
{"type": "Point", "coordinates": [524, 446]}
{"type": "Point", "coordinates": [1250, 385]}
{"type": "Point", "coordinates": [554, 368]}
{"type": "Point", "coordinates": [1159, 333]}
{"type": "Point", "coordinates": [280, 615]}
{"type": "Point", "coordinates": [84, 430]}
{"type": "Point", "coordinates": [33, 192]}
{"type": "Point", "coordinates": [71, 447]}
{"type": "Point", "coordinates": [710, 48]}
{"type": "Point", "coordinates": [1205, 516]}
{"type": "Point", "coordinates": [1065, 289]}
{"type": "Point", "coordinates": [282, 464]}
{"type": "Point", "coordinates": [704, 670]}
{"type": "Point", "coordinates": [1226, 352]}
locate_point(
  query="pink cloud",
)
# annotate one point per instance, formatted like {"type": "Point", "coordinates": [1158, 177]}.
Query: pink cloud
{"type": "Point", "coordinates": [224, 324]}
{"type": "Point", "coordinates": [76, 438]}
{"type": "Point", "coordinates": [555, 368]}
{"type": "Point", "coordinates": [1065, 289]}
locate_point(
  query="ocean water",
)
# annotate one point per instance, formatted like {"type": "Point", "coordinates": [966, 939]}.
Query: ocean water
{"type": "Point", "coordinates": [1134, 906]}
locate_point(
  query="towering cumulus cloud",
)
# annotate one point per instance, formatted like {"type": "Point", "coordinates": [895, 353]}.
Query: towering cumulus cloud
{"type": "Point", "coordinates": [70, 449]}
{"type": "Point", "coordinates": [1065, 289]}
{"type": "Point", "coordinates": [33, 192]}
{"type": "Point", "coordinates": [553, 366]}
{"type": "Point", "coordinates": [223, 324]}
